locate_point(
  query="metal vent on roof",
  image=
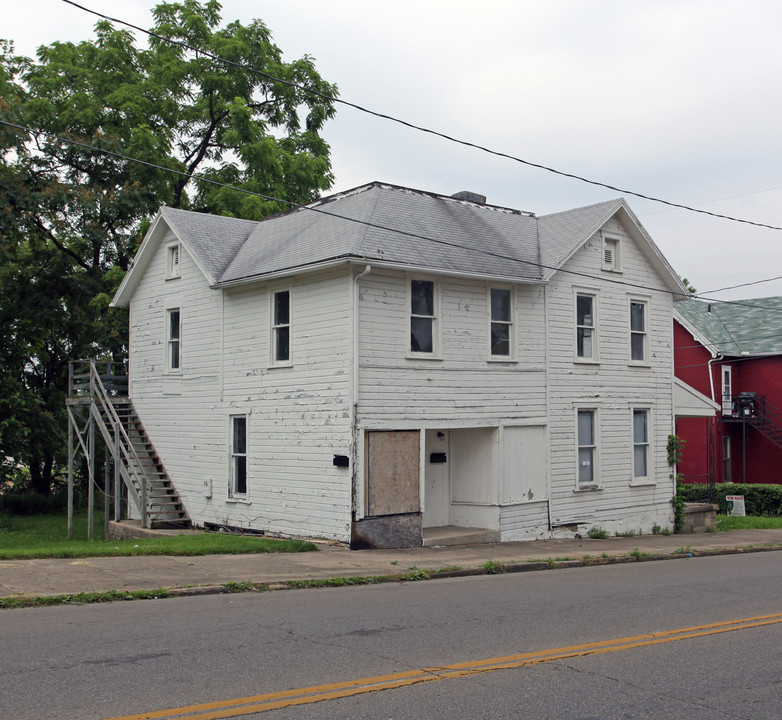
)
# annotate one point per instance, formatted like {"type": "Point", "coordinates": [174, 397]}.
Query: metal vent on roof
{"type": "Point", "coordinates": [470, 197]}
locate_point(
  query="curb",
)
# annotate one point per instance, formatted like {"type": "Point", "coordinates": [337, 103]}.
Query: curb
{"type": "Point", "coordinates": [25, 601]}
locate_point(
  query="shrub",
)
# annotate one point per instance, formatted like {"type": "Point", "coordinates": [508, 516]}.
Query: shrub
{"type": "Point", "coordinates": [33, 504]}
{"type": "Point", "coordinates": [597, 533]}
{"type": "Point", "coordinates": [759, 500]}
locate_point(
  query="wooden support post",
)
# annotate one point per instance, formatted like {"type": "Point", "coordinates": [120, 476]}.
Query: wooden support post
{"type": "Point", "coordinates": [107, 492]}
{"type": "Point", "coordinates": [71, 453]}
{"type": "Point", "coordinates": [117, 479]}
{"type": "Point", "coordinates": [90, 476]}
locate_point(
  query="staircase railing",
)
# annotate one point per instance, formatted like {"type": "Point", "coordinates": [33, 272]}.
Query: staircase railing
{"type": "Point", "coordinates": [118, 441]}
{"type": "Point", "coordinates": [768, 420]}
{"type": "Point", "coordinates": [755, 410]}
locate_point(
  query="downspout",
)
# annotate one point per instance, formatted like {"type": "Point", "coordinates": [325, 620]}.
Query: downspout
{"type": "Point", "coordinates": [354, 386]}
{"type": "Point", "coordinates": [358, 277]}
{"type": "Point", "coordinates": [714, 450]}
{"type": "Point", "coordinates": [711, 377]}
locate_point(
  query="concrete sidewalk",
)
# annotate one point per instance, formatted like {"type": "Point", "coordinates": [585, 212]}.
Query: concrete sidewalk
{"type": "Point", "coordinates": [209, 573]}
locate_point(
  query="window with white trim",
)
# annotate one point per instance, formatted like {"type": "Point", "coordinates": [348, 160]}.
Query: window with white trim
{"type": "Point", "coordinates": [501, 324]}
{"type": "Point", "coordinates": [586, 431]}
{"type": "Point", "coordinates": [281, 326]}
{"type": "Point", "coordinates": [727, 391]}
{"type": "Point", "coordinates": [611, 256]}
{"type": "Point", "coordinates": [639, 337]}
{"type": "Point", "coordinates": [173, 340]}
{"type": "Point", "coordinates": [238, 471]}
{"type": "Point", "coordinates": [727, 477]}
{"type": "Point", "coordinates": [640, 444]}
{"type": "Point", "coordinates": [172, 262]}
{"type": "Point", "coordinates": [586, 326]}
{"type": "Point", "coordinates": [423, 316]}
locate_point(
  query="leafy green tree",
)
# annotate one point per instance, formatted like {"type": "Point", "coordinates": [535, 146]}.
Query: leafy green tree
{"type": "Point", "coordinates": [72, 215]}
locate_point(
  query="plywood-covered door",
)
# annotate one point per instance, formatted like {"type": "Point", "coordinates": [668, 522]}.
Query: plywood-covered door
{"type": "Point", "coordinates": [392, 472]}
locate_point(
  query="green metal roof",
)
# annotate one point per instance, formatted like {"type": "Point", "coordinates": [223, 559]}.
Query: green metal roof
{"type": "Point", "coordinates": [743, 327]}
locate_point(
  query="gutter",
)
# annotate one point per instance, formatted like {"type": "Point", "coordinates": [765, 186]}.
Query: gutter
{"type": "Point", "coordinates": [404, 267]}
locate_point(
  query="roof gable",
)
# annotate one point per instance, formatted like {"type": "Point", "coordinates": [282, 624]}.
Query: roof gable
{"type": "Point", "coordinates": [211, 241]}
{"type": "Point", "coordinates": [563, 234]}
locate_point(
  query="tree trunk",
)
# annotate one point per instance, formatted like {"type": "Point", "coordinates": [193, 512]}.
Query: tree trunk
{"type": "Point", "coordinates": [41, 476]}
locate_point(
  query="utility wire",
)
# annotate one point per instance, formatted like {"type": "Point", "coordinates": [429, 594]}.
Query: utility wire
{"type": "Point", "coordinates": [311, 208]}
{"type": "Point", "coordinates": [722, 199]}
{"type": "Point", "coordinates": [746, 284]}
{"type": "Point", "coordinates": [420, 128]}
{"type": "Point", "coordinates": [320, 211]}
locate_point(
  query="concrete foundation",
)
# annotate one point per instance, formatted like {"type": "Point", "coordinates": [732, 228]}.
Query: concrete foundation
{"type": "Point", "coordinates": [700, 517]}
{"type": "Point", "coordinates": [387, 531]}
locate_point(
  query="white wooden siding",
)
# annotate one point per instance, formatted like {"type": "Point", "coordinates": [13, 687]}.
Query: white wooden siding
{"type": "Point", "coordinates": [298, 417]}
{"type": "Point", "coordinates": [464, 386]}
{"type": "Point", "coordinates": [613, 386]}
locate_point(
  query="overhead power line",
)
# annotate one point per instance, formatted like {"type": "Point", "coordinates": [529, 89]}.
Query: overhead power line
{"type": "Point", "coordinates": [310, 208]}
{"type": "Point", "coordinates": [423, 129]}
{"type": "Point", "coordinates": [741, 285]}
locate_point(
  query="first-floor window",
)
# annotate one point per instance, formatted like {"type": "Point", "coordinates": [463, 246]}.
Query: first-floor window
{"type": "Point", "coordinates": [587, 448]}
{"type": "Point", "coordinates": [238, 455]}
{"type": "Point", "coordinates": [640, 443]}
{"type": "Point", "coordinates": [501, 321]}
{"type": "Point", "coordinates": [281, 327]}
{"type": "Point", "coordinates": [726, 474]}
{"type": "Point", "coordinates": [422, 316]}
{"type": "Point", "coordinates": [174, 340]}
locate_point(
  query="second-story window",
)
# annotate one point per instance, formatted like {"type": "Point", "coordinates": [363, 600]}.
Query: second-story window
{"type": "Point", "coordinates": [501, 322]}
{"type": "Point", "coordinates": [422, 316]}
{"type": "Point", "coordinates": [281, 327]}
{"type": "Point", "coordinates": [638, 334]}
{"type": "Point", "coordinates": [174, 340]}
{"type": "Point", "coordinates": [586, 330]}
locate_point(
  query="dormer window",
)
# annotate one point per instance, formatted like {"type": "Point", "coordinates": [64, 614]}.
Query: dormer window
{"type": "Point", "coordinates": [173, 268]}
{"type": "Point", "coordinates": [611, 258]}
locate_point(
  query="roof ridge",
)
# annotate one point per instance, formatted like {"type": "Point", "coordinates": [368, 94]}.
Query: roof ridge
{"type": "Point", "coordinates": [607, 203]}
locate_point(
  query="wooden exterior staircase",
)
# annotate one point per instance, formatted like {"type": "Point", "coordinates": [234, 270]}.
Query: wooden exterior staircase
{"type": "Point", "coordinates": [98, 401]}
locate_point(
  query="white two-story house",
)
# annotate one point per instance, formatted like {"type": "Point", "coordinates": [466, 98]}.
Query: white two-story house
{"type": "Point", "coordinates": [386, 363]}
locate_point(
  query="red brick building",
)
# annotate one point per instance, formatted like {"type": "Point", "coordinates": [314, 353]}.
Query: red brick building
{"type": "Point", "coordinates": [732, 354]}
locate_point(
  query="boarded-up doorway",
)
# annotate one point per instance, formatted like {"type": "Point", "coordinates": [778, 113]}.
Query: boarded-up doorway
{"type": "Point", "coordinates": [392, 472]}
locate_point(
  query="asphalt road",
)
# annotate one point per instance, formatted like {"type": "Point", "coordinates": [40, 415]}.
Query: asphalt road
{"type": "Point", "coordinates": [417, 650]}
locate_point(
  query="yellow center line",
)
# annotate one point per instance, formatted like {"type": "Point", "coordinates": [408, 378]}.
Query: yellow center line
{"type": "Point", "coordinates": [318, 693]}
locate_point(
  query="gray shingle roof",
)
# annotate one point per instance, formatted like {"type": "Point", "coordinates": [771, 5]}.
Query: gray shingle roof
{"type": "Point", "coordinates": [382, 222]}
{"type": "Point", "coordinates": [394, 225]}
{"type": "Point", "coordinates": [746, 327]}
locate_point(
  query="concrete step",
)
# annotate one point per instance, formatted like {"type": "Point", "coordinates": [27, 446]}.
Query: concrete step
{"type": "Point", "coordinates": [453, 535]}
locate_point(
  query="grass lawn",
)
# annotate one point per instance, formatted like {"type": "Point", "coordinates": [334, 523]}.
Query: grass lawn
{"type": "Point", "coordinates": [749, 522]}
{"type": "Point", "coordinates": [45, 536]}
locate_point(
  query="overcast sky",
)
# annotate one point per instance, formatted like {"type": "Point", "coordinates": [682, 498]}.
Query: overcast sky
{"type": "Point", "coordinates": [678, 99]}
